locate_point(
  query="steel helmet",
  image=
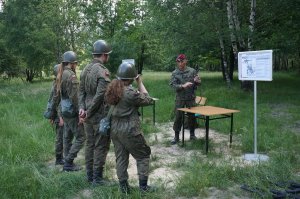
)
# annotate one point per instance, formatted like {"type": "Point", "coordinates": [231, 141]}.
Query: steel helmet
{"type": "Point", "coordinates": [69, 57]}
{"type": "Point", "coordinates": [55, 70]}
{"type": "Point", "coordinates": [126, 71]}
{"type": "Point", "coordinates": [101, 47]}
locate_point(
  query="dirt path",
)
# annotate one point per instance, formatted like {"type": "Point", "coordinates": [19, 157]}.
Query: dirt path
{"type": "Point", "coordinates": [164, 155]}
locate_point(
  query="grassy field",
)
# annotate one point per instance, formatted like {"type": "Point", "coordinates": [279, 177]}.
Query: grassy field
{"type": "Point", "coordinates": [27, 140]}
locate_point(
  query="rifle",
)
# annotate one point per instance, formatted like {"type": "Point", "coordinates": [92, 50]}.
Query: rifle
{"type": "Point", "coordinates": [195, 85]}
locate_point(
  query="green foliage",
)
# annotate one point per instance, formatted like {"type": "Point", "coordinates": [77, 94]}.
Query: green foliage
{"type": "Point", "coordinates": [37, 33]}
{"type": "Point", "coordinates": [26, 34]}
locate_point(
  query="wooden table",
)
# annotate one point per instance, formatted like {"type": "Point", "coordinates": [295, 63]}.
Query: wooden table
{"type": "Point", "coordinates": [208, 113]}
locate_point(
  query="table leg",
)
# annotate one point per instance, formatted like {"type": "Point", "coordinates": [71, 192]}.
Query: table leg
{"type": "Point", "coordinates": [183, 128]}
{"type": "Point", "coordinates": [153, 112]}
{"type": "Point", "coordinates": [231, 128]}
{"type": "Point", "coordinates": [206, 133]}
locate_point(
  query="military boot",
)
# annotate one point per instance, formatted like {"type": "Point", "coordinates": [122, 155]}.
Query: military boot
{"type": "Point", "coordinates": [124, 187]}
{"type": "Point", "coordinates": [192, 135]}
{"type": "Point", "coordinates": [176, 138]}
{"type": "Point", "coordinates": [144, 187]}
{"type": "Point", "coordinates": [70, 166]}
{"type": "Point", "coordinates": [99, 180]}
{"type": "Point", "coordinates": [89, 174]}
{"type": "Point", "coordinates": [59, 160]}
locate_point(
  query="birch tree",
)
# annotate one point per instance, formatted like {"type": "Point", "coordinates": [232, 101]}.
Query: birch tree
{"type": "Point", "coordinates": [251, 24]}
{"type": "Point", "coordinates": [232, 17]}
{"type": "Point", "coordinates": [248, 85]}
{"type": "Point", "coordinates": [217, 21]}
{"type": "Point", "coordinates": [237, 25]}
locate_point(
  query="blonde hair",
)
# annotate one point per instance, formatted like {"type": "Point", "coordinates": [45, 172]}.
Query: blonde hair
{"type": "Point", "coordinates": [59, 77]}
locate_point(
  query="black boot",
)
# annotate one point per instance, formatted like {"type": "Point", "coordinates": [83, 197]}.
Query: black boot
{"type": "Point", "coordinates": [59, 160]}
{"type": "Point", "coordinates": [192, 135]}
{"type": "Point", "coordinates": [124, 187]}
{"type": "Point", "coordinates": [70, 166]}
{"type": "Point", "coordinates": [98, 177]}
{"type": "Point", "coordinates": [144, 187]}
{"type": "Point", "coordinates": [89, 174]}
{"type": "Point", "coordinates": [99, 180]}
{"type": "Point", "coordinates": [176, 138]}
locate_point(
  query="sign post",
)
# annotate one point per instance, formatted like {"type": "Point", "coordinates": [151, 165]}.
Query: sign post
{"type": "Point", "coordinates": [255, 66]}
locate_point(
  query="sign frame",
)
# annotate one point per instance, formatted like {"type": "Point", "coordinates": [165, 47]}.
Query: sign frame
{"type": "Point", "coordinates": [255, 65]}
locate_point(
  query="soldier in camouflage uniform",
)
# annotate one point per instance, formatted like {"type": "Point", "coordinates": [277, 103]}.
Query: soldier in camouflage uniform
{"type": "Point", "coordinates": [58, 122]}
{"type": "Point", "coordinates": [93, 82]}
{"type": "Point", "coordinates": [126, 130]}
{"type": "Point", "coordinates": [184, 81]}
{"type": "Point", "coordinates": [67, 88]}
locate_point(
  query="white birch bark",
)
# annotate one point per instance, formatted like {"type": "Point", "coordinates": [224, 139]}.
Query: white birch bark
{"type": "Point", "coordinates": [222, 46]}
{"type": "Point", "coordinates": [223, 54]}
{"type": "Point", "coordinates": [252, 24]}
{"type": "Point", "coordinates": [237, 24]}
{"type": "Point", "coordinates": [232, 28]}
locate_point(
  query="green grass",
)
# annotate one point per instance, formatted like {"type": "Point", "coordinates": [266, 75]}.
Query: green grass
{"type": "Point", "coordinates": [27, 140]}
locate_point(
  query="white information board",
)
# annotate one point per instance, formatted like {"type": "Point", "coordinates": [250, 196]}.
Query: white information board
{"type": "Point", "coordinates": [255, 65]}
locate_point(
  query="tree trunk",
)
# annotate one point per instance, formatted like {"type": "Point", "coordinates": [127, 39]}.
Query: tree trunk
{"type": "Point", "coordinates": [237, 25]}
{"type": "Point", "coordinates": [232, 28]}
{"type": "Point", "coordinates": [141, 58]}
{"type": "Point", "coordinates": [231, 67]}
{"type": "Point", "coordinates": [248, 85]}
{"type": "Point", "coordinates": [72, 31]}
{"type": "Point", "coordinates": [252, 24]}
{"type": "Point", "coordinates": [224, 64]}
{"type": "Point", "coordinates": [29, 75]}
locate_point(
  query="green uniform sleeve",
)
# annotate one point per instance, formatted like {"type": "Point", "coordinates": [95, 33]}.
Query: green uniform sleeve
{"type": "Point", "coordinates": [82, 93]}
{"type": "Point", "coordinates": [175, 83]}
{"type": "Point", "coordinates": [56, 102]}
{"type": "Point", "coordinates": [139, 99]}
{"type": "Point", "coordinates": [99, 96]}
{"type": "Point", "coordinates": [73, 90]}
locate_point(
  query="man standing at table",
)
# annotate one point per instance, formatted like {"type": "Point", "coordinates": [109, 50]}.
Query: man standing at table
{"type": "Point", "coordinates": [184, 81]}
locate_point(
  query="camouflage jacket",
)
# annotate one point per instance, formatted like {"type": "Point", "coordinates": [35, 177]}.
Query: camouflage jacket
{"type": "Point", "coordinates": [125, 117]}
{"type": "Point", "coordinates": [69, 86]}
{"type": "Point", "coordinates": [69, 89]}
{"type": "Point", "coordinates": [179, 78]}
{"type": "Point", "coordinates": [93, 83]}
{"type": "Point", "coordinates": [57, 112]}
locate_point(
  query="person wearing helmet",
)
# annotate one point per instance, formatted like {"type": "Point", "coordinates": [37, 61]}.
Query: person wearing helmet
{"type": "Point", "coordinates": [184, 81]}
{"type": "Point", "coordinates": [93, 83]}
{"type": "Point", "coordinates": [57, 121]}
{"type": "Point", "coordinates": [126, 132]}
{"type": "Point", "coordinates": [67, 91]}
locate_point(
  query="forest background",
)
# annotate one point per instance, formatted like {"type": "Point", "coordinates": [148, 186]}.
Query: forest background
{"type": "Point", "coordinates": [35, 33]}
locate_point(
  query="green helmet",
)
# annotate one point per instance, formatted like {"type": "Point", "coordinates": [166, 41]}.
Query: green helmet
{"type": "Point", "coordinates": [101, 47]}
{"type": "Point", "coordinates": [126, 71]}
{"type": "Point", "coordinates": [55, 70]}
{"type": "Point", "coordinates": [69, 57]}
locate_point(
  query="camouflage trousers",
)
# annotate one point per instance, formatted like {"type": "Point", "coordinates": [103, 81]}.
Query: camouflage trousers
{"type": "Point", "coordinates": [135, 145]}
{"type": "Point", "coordinates": [178, 115]}
{"type": "Point", "coordinates": [73, 138]}
{"type": "Point", "coordinates": [96, 148]}
{"type": "Point", "coordinates": [59, 140]}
